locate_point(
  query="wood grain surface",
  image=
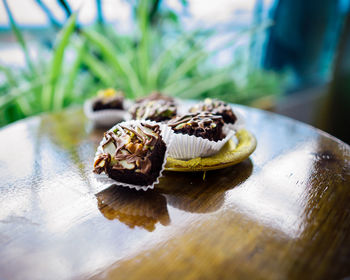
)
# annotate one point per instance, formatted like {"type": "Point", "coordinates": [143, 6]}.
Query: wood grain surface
{"type": "Point", "coordinates": [284, 213]}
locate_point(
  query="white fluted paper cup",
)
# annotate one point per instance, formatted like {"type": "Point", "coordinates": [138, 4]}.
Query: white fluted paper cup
{"type": "Point", "coordinates": [105, 117]}
{"type": "Point", "coordinates": [189, 146]}
{"type": "Point", "coordinates": [104, 181]}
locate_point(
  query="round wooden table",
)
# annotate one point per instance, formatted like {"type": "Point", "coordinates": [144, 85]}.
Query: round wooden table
{"type": "Point", "coordinates": [282, 214]}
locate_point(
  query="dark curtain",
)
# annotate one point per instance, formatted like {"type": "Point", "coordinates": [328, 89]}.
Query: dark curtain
{"type": "Point", "coordinates": [302, 30]}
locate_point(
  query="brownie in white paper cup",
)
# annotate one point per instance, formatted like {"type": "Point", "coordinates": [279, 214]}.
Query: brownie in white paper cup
{"type": "Point", "coordinates": [198, 135]}
{"type": "Point", "coordinates": [216, 107]}
{"type": "Point", "coordinates": [133, 154]}
{"type": "Point", "coordinates": [232, 117]}
{"type": "Point", "coordinates": [154, 110]}
{"type": "Point", "coordinates": [107, 108]}
{"type": "Point", "coordinates": [105, 117]}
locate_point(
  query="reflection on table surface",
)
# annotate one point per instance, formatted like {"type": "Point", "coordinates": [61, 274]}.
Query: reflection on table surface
{"type": "Point", "coordinates": [133, 208]}
{"type": "Point", "coordinates": [283, 213]}
{"type": "Point", "coordinates": [202, 193]}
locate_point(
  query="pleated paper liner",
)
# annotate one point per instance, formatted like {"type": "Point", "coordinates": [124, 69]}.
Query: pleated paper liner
{"type": "Point", "coordinates": [230, 154]}
{"type": "Point", "coordinates": [190, 146]}
{"type": "Point", "coordinates": [106, 117]}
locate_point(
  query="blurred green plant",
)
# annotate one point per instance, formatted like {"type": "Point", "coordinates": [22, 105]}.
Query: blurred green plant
{"type": "Point", "coordinates": [179, 65]}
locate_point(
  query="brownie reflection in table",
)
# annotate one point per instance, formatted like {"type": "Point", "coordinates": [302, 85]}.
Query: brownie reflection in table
{"type": "Point", "coordinates": [196, 193]}
{"type": "Point", "coordinates": [134, 208]}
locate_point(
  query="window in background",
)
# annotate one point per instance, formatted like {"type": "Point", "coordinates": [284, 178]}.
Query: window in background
{"type": "Point", "coordinates": [295, 39]}
{"type": "Point", "coordinates": [301, 41]}
{"type": "Point", "coordinates": [304, 38]}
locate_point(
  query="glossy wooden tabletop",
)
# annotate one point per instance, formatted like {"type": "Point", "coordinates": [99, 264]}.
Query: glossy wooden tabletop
{"type": "Point", "coordinates": [282, 214]}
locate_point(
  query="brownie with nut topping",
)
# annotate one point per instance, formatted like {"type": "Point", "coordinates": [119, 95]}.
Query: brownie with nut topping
{"type": "Point", "coordinates": [132, 154]}
{"type": "Point", "coordinates": [154, 110]}
{"type": "Point", "coordinates": [204, 125]}
{"type": "Point", "coordinates": [108, 99]}
{"type": "Point", "coordinates": [216, 107]}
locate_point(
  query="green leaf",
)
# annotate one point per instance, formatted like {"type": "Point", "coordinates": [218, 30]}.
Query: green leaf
{"type": "Point", "coordinates": [57, 61]}
{"type": "Point", "coordinates": [22, 103]}
{"type": "Point", "coordinates": [67, 88]}
{"type": "Point", "coordinates": [25, 88]}
{"type": "Point", "coordinates": [200, 86]}
{"type": "Point", "coordinates": [99, 69]}
{"type": "Point", "coordinates": [9, 75]}
{"type": "Point", "coordinates": [176, 52]}
{"type": "Point", "coordinates": [118, 61]}
{"type": "Point", "coordinates": [188, 64]}
{"type": "Point", "coordinates": [143, 47]}
{"type": "Point", "coordinates": [19, 37]}
{"type": "Point", "coordinates": [24, 106]}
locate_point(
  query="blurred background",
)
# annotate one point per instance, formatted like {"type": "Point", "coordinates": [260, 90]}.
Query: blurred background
{"type": "Point", "coordinates": [287, 56]}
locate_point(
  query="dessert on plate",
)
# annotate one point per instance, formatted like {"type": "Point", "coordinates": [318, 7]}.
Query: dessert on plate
{"type": "Point", "coordinates": [203, 124]}
{"type": "Point", "coordinates": [216, 107]}
{"type": "Point", "coordinates": [198, 135]}
{"type": "Point", "coordinates": [155, 107]}
{"type": "Point", "coordinates": [135, 153]}
{"type": "Point", "coordinates": [155, 110]}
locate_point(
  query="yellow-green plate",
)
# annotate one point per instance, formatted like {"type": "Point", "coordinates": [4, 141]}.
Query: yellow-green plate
{"type": "Point", "coordinates": [230, 154]}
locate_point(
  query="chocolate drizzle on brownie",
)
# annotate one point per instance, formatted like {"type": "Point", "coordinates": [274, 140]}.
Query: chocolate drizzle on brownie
{"type": "Point", "coordinates": [205, 125]}
{"type": "Point", "coordinates": [155, 96]}
{"type": "Point", "coordinates": [216, 107]}
{"type": "Point", "coordinates": [156, 110]}
{"type": "Point", "coordinates": [132, 153]}
{"type": "Point", "coordinates": [132, 146]}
